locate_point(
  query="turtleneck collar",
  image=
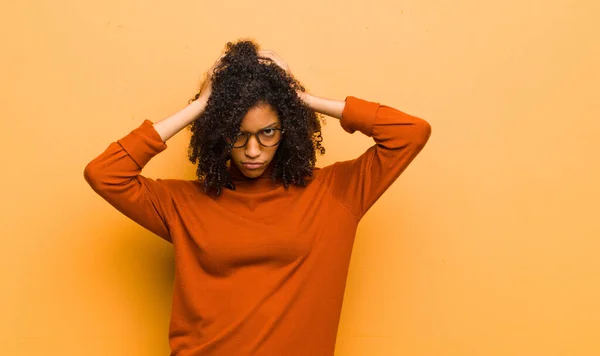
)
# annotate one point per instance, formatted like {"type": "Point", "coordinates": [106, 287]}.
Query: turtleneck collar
{"type": "Point", "coordinates": [264, 182]}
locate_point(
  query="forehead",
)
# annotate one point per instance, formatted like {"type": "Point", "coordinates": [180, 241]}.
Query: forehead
{"type": "Point", "coordinates": [258, 117]}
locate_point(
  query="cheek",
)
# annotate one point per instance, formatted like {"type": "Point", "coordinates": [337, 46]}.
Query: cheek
{"type": "Point", "coordinates": [236, 155]}
{"type": "Point", "coordinates": [270, 153]}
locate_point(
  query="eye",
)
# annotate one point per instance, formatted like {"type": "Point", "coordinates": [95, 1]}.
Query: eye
{"type": "Point", "coordinates": [269, 132]}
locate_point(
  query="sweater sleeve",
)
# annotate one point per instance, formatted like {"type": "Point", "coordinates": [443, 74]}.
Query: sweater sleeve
{"type": "Point", "coordinates": [398, 137]}
{"type": "Point", "coordinates": [115, 176]}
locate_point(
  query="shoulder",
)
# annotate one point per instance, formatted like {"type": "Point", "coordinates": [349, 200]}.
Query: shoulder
{"type": "Point", "coordinates": [326, 175]}
{"type": "Point", "coordinates": [182, 187]}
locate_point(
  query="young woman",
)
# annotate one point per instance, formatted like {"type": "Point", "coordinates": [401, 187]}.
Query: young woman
{"type": "Point", "coordinates": [262, 239]}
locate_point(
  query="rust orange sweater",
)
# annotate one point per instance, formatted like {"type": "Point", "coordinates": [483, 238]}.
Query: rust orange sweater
{"type": "Point", "coordinates": [260, 270]}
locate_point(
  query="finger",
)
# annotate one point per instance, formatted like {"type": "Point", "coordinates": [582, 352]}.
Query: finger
{"type": "Point", "coordinates": [218, 60]}
{"type": "Point", "coordinates": [280, 61]}
{"type": "Point", "coordinates": [265, 54]}
{"type": "Point", "coordinates": [274, 55]}
{"type": "Point", "coordinates": [214, 66]}
{"type": "Point", "coordinates": [275, 58]}
{"type": "Point", "coordinates": [277, 61]}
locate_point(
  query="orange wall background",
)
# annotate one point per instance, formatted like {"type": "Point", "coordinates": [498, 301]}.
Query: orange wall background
{"type": "Point", "coordinates": [487, 245]}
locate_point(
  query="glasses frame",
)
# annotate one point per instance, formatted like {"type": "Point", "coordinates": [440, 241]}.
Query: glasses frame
{"type": "Point", "coordinates": [255, 134]}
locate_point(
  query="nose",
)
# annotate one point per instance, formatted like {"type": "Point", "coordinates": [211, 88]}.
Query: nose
{"type": "Point", "coordinates": [252, 147]}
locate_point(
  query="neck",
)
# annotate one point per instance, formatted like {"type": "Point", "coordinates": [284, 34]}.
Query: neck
{"type": "Point", "coordinates": [262, 182]}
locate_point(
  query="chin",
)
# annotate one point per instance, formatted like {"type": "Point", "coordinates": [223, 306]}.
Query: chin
{"type": "Point", "coordinates": [252, 173]}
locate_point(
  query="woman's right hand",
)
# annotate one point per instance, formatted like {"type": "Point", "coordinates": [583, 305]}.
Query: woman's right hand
{"type": "Point", "coordinates": [169, 126]}
{"type": "Point", "coordinates": [206, 88]}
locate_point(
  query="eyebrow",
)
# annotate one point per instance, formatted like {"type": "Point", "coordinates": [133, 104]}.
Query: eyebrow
{"type": "Point", "coordinates": [270, 126]}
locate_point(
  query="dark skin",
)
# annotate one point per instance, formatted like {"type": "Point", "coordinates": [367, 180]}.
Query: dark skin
{"type": "Point", "coordinates": [263, 92]}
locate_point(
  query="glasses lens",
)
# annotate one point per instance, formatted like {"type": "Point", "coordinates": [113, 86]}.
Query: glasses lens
{"type": "Point", "coordinates": [269, 137]}
{"type": "Point", "coordinates": [266, 137]}
{"type": "Point", "coordinates": [240, 140]}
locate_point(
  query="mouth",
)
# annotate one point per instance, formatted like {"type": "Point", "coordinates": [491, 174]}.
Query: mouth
{"type": "Point", "coordinates": [252, 165]}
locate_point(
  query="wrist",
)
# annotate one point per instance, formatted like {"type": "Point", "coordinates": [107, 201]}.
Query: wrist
{"type": "Point", "coordinates": [329, 107]}
{"type": "Point", "coordinates": [199, 104]}
{"type": "Point", "coordinates": [306, 98]}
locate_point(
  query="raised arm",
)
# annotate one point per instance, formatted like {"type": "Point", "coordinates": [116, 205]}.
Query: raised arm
{"type": "Point", "coordinates": [398, 137]}
{"type": "Point", "coordinates": [116, 173]}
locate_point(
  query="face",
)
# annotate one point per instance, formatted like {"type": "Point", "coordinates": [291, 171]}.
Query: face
{"type": "Point", "coordinates": [253, 159]}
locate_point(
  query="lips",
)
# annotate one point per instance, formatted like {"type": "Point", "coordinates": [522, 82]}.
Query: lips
{"type": "Point", "coordinates": [252, 165]}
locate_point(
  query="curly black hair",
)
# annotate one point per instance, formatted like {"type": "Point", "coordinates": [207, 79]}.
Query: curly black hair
{"type": "Point", "coordinates": [241, 81]}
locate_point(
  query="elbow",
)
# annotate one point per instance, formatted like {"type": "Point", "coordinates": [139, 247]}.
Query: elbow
{"type": "Point", "coordinates": [422, 132]}
{"type": "Point", "coordinates": [91, 174]}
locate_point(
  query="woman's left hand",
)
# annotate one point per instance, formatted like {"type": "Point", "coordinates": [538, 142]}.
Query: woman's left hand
{"type": "Point", "coordinates": [266, 53]}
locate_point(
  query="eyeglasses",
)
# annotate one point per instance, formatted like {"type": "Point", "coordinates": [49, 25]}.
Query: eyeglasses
{"type": "Point", "coordinates": [268, 137]}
